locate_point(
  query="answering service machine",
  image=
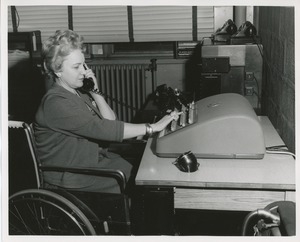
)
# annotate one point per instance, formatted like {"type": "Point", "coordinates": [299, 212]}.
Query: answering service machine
{"type": "Point", "coordinates": [219, 126]}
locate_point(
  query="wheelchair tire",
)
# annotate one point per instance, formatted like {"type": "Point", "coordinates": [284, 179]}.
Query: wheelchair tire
{"type": "Point", "coordinates": [43, 212]}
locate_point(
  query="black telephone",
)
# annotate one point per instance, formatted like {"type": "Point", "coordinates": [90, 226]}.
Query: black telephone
{"type": "Point", "coordinates": [247, 29]}
{"type": "Point", "coordinates": [88, 84]}
{"type": "Point", "coordinates": [229, 28]}
{"type": "Point", "coordinates": [224, 33]}
{"type": "Point", "coordinates": [167, 98]}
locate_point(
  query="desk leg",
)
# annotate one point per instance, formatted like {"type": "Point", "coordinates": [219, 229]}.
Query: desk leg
{"type": "Point", "coordinates": [157, 211]}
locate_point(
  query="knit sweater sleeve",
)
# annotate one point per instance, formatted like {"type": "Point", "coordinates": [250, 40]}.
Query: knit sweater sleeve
{"type": "Point", "coordinates": [74, 118]}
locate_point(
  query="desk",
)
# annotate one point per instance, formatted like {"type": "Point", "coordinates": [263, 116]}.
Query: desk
{"type": "Point", "coordinates": [223, 184]}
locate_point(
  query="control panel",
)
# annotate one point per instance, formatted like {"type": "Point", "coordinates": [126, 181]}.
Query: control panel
{"type": "Point", "coordinates": [187, 116]}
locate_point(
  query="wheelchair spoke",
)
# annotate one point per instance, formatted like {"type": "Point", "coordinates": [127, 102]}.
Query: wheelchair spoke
{"type": "Point", "coordinates": [46, 213]}
{"type": "Point", "coordinates": [21, 220]}
{"type": "Point", "coordinates": [37, 216]}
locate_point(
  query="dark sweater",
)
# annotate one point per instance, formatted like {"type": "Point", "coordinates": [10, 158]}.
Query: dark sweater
{"type": "Point", "coordinates": [68, 131]}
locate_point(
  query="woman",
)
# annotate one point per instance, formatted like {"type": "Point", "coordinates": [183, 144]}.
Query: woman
{"type": "Point", "coordinates": [72, 127]}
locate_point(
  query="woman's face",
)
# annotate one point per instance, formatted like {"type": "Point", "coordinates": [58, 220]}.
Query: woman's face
{"type": "Point", "coordinates": [72, 72]}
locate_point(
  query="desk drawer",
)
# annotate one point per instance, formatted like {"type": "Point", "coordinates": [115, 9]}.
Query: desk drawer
{"type": "Point", "coordinates": [229, 200]}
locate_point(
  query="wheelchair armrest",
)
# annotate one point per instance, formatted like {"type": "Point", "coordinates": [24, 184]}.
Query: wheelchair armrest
{"type": "Point", "coordinates": [118, 175]}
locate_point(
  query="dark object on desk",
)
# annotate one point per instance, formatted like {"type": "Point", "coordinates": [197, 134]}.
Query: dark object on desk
{"type": "Point", "coordinates": [247, 29]}
{"type": "Point", "coordinates": [187, 162]}
{"type": "Point", "coordinates": [167, 98]}
{"type": "Point", "coordinates": [223, 34]}
{"type": "Point", "coordinates": [245, 34]}
{"type": "Point", "coordinates": [229, 27]}
{"type": "Point", "coordinates": [221, 126]}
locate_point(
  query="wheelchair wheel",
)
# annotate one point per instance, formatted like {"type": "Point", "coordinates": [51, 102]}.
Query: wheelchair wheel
{"type": "Point", "coordinates": [42, 212]}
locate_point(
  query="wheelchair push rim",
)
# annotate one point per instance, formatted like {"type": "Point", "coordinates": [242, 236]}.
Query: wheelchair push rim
{"type": "Point", "coordinates": [42, 212]}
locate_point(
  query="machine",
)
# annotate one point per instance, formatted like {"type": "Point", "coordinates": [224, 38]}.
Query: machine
{"type": "Point", "coordinates": [219, 126]}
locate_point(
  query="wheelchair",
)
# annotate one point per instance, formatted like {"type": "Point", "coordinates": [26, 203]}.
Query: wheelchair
{"type": "Point", "coordinates": [37, 210]}
{"type": "Point", "coordinates": [276, 219]}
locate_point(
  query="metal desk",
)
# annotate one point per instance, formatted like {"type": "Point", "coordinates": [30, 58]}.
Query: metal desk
{"type": "Point", "coordinates": [221, 184]}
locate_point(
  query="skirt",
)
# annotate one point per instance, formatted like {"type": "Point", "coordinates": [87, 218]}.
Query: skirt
{"type": "Point", "coordinates": [90, 183]}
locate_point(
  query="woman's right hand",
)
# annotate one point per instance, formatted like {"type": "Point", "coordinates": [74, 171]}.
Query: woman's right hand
{"type": "Point", "coordinates": [90, 74]}
{"type": "Point", "coordinates": [164, 121]}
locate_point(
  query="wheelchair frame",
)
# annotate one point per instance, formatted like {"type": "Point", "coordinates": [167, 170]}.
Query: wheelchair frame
{"type": "Point", "coordinates": [43, 211]}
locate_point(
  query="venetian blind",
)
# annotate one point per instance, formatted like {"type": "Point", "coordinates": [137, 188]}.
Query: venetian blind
{"type": "Point", "coordinates": [47, 19]}
{"type": "Point", "coordinates": [101, 23]}
{"type": "Point", "coordinates": [205, 21]}
{"type": "Point", "coordinates": [9, 20]}
{"type": "Point", "coordinates": [111, 24]}
{"type": "Point", "coordinates": [162, 23]}
{"type": "Point", "coordinates": [167, 23]}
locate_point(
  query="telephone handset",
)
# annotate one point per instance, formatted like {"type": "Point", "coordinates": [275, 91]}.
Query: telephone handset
{"type": "Point", "coordinates": [89, 85]}
{"type": "Point", "coordinates": [247, 29]}
{"type": "Point", "coordinates": [229, 28]}
{"type": "Point", "coordinates": [167, 98]}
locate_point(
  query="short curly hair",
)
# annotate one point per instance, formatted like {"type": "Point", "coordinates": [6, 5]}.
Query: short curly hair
{"type": "Point", "coordinates": [57, 47]}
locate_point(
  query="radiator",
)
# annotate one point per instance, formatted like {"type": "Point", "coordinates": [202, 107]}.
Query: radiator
{"type": "Point", "coordinates": [124, 86]}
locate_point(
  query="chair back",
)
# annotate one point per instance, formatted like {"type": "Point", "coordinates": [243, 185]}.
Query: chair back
{"type": "Point", "coordinates": [22, 157]}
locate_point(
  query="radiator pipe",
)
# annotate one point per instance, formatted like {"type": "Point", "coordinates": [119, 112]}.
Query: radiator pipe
{"type": "Point", "coordinates": [153, 68]}
{"type": "Point", "coordinates": [240, 15]}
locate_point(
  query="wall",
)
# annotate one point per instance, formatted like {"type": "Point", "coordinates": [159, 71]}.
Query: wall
{"type": "Point", "coordinates": [276, 29]}
{"type": "Point", "coordinates": [171, 72]}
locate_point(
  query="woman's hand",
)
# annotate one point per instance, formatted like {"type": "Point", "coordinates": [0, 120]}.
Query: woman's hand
{"type": "Point", "coordinates": [162, 123]}
{"type": "Point", "coordinates": [135, 130]}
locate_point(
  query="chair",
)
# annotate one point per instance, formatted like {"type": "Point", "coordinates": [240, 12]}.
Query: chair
{"type": "Point", "coordinates": [36, 210]}
{"type": "Point", "coordinates": [276, 219]}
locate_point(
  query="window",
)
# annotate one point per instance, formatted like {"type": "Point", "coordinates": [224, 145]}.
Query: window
{"type": "Point", "coordinates": [167, 23]}
{"type": "Point", "coordinates": [101, 23]}
{"type": "Point", "coordinates": [120, 23]}
{"type": "Point", "coordinates": [205, 21]}
{"type": "Point", "coordinates": [47, 19]}
{"type": "Point", "coordinates": [162, 23]}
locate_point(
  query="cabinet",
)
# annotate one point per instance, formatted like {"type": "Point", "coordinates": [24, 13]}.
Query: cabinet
{"type": "Point", "coordinates": [29, 42]}
{"type": "Point", "coordinates": [25, 81]}
{"type": "Point", "coordinates": [223, 68]}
